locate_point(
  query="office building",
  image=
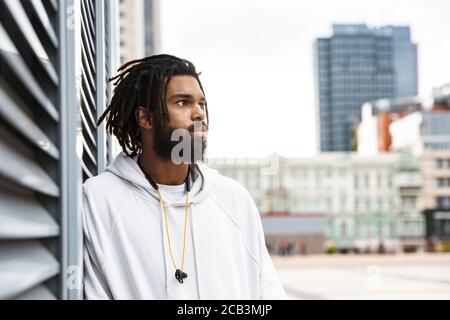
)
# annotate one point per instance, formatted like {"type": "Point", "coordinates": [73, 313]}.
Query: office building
{"type": "Point", "coordinates": [364, 201]}
{"type": "Point", "coordinates": [358, 64]}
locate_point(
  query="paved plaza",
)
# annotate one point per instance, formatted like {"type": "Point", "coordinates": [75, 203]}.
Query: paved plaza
{"type": "Point", "coordinates": [405, 276]}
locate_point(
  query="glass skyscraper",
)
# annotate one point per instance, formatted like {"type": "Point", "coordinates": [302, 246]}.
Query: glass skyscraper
{"type": "Point", "coordinates": [355, 65]}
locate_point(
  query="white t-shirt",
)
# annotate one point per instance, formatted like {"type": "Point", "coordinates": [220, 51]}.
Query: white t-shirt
{"type": "Point", "coordinates": [176, 219]}
{"type": "Point", "coordinates": [171, 192]}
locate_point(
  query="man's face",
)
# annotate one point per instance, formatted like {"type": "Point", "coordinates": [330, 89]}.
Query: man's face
{"type": "Point", "coordinates": [186, 107]}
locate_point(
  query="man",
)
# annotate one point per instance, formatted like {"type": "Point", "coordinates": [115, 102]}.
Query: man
{"type": "Point", "coordinates": [158, 223]}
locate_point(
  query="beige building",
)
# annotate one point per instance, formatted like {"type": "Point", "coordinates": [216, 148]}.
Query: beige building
{"type": "Point", "coordinates": [427, 134]}
{"type": "Point", "coordinates": [139, 28]}
{"type": "Point", "coordinates": [132, 35]}
{"type": "Point", "coordinates": [366, 201]}
{"type": "Point", "coordinates": [436, 179]}
{"type": "Point", "coordinates": [420, 126]}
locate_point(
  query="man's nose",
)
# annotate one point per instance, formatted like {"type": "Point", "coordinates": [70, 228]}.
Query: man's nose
{"type": "Point", "coordinates": [199, 113]}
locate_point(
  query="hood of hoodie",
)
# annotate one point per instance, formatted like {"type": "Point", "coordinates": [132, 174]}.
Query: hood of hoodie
{"type": "Point", "coordinates": [127, 168]}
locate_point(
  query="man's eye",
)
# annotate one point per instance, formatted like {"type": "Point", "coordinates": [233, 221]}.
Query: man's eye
{"type": "Point", "coordinates": [181, 102]}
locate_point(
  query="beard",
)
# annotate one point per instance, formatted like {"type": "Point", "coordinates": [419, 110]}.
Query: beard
{"type": "Point", "coordinates": [169, 144]}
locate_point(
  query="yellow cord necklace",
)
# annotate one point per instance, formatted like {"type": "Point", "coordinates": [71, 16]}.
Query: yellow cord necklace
{"type": "Point", "coordinates": [180, 275]}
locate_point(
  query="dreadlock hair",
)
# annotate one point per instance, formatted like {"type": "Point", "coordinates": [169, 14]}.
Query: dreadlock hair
{"type": "Point", "coordinates": [142, 82]}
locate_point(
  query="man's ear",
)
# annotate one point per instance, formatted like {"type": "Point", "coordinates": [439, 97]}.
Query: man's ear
{"type": "Point", "coordinates": [143, 118]}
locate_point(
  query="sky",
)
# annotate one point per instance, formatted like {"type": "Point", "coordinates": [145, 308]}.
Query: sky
{"type": "Point", "coordinates": [256, 59]}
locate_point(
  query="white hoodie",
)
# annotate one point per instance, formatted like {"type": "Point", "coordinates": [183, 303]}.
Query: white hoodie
{"type": "Point", "coordinates": [126, 253]}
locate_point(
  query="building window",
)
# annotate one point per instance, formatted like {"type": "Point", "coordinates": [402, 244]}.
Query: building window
{"type": "Point", "coordinates": [367, 181]}
{"type": "Point", "coordinates": [389, 181]}
{"type": "Point", "coordinates": [443, 202]}
{"type": "Point", "coordinates": [409, 203]}
{"type": "Point", "coordinates": [443, 182]}
{"type": "Point", "coordinates": [443, 163]}
{"type": "Point", "coordinates": [367, 202]}
{"type": "Point", "coordinates": [379, 179]}
{"type": "Point", "coordinates": [343, 203]}
{"type": "Point", "coordinates": [343, 230]}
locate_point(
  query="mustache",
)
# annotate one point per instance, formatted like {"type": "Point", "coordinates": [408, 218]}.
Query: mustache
{"type": "Point", "coordinates": [203, 127]}
{"type": "Point", "coordinates": [190, 129]}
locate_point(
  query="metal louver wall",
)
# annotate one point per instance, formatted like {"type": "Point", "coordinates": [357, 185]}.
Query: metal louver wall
{"type": "Point", "coordinates": [88, 89]}
{"type": "Point", "coordinates": [111, 36]}
{"type": "Point", "coordinates": [53, 68]}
